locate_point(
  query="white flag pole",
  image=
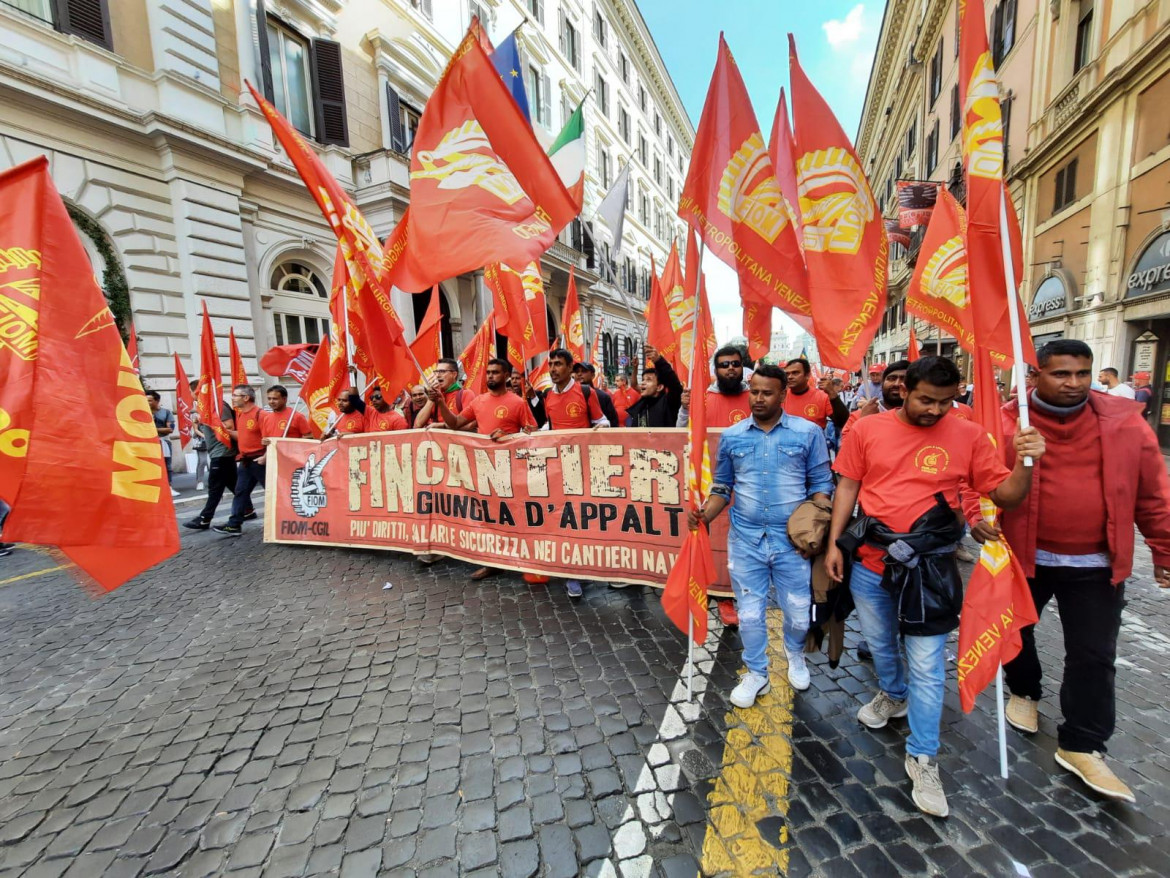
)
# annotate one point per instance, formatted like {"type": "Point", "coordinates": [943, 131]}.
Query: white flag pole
{"type": "Point", "coordinates": [698, 475]}
{"type": "Point", "coordinates": [1009, 276]}
{"type": "Point", "coordinates": [1003, 760]}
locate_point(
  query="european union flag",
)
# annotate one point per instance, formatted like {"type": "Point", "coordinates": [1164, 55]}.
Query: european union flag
{"type": "Point", "coordinates": [506, 60]}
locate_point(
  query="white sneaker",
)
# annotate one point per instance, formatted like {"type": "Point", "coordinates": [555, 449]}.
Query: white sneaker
{"type": "Point", "coordinates": [174, 493]}
{"type": "Point", "coordinates": [927, 791]}
{"type": "Point", "coordinates": [750, 686]}
{"type": "Point", "coordinates": [199, 486]}
{"type": "Point", "coordinates": [798, 674]}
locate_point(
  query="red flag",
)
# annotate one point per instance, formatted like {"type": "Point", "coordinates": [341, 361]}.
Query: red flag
{"type": "Point", "coordinates": [482, 189]}
{"type": "Point", "coordinates": [132, 350]}
{"type": "Point", "coordinates": [93, 483]}
{"type": "Point", "coordinates": [983, 162]}
{"type": "Point", "coordinates": [209, 393]}
{"type": "Point", "coordinates": [732, 198]}
{"type": "Point", "coordinates": [572, 327]}
{"type": "Point", "coordinates": [939, 291]}
{"type": "Point", "coordinates": [318, 392]}
{"type": "Point", "coordinates": [912, 347]}
{"type": "Point", "coordinates": [845, 245]}
{"type": "Point", "coordinates": [692, 280]}
{"type": "Point", "coordinates": [537, 311]}
{"type": "Point", "coordinates": [510, 305]}
{"type": "Point", "coordinates": [289, 359]}
{"type": "Point", "coordinates": [239, 376]}
{"type": "Point", "coordinates": [673, 290]}
{"type": "Point", "coordinates": [379, 344]}
{"type": "Point", "coordinates": [659, 331]}
{"type": "Point", "coordinates": [427, 344]}
{"type": "Point", "coordinates": [998, 602]}
{"type": "Point", "coordinates": [477, 353]}
{"type": "Point", "coordinates": [594, 347]}
{"type": "Point", "coordinates": [184, 402]}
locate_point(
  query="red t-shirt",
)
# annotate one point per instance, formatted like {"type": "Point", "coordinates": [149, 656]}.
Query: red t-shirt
{"type": "Point", "coordinates": [901, 467]}
{"type": "Point", "coordinates": [622, 400]}
{"type": "Point", "coordinates": [456, 401]}
{"type": "Point", "coordinates": [963, 412]}
{"type": "Point", "coordinates": [353, 422]}
{"type": "Point", "coordinates": [569, 411]}
{"type": "Point", "coordinates": [726, 409]}
{"type": "Point", "coordinates": [383, 422]}
{"type": "Point", "coordinates": [249, 431]}
{"type": "Point", "coordinates": [272, 424]}
{"type": "Point", "coordinates": [812, 405]}
{"type": "Point", "coordinates": [507, 412]}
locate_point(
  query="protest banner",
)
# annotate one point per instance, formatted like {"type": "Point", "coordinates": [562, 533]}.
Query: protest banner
{"type": "Point", "coordinates": [606, 505]}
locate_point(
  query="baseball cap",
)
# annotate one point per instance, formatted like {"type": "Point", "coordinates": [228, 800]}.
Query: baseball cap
{"type": "Point", "coordinates": [1141, 376]}
{"type": "Point", "coordinates": [877, 367]}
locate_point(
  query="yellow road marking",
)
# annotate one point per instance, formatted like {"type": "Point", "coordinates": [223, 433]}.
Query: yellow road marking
{"type": "Point", "coordinates": [10, 580]}
{"type": "Point", "coordinates": [753, 785]}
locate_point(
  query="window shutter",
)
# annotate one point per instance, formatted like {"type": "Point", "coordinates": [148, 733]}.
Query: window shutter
{"type": "Point", "coordinates": [88, 19]}
{"type": "Point", "coordinates": [394, 108]}
{"type": "Point", "coordinates": [545, 101]}
{"type": "Point", "coordinates": [260, 31]}
{"type": "Point", "coordinates": [427, 8]}
{"type": "Point", "coordinates": [329, 93]}
{"type": "Point", "coordinates": [561, 22]}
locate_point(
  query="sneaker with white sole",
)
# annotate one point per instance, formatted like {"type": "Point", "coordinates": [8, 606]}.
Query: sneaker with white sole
{"type": "Point", "coordinates": [174, 493]}
{"type": "Point", "coordinates": [798, 675]}
{"type": "Point", "coordinates": [573, 588]}
{"type": "Point", "coordinates": [751, 686]}
{"type": "Point", "coordinates": [1023, 713]}
{"type": "Point", "coordinates": [1091, 768]}
{"type": "Point", "coordinates": [927, 791]}
{"type": "Point", "coordinates": [881, 710]}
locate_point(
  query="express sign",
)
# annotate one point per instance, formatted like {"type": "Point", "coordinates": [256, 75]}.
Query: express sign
{"type": "Point", "coordinates": [1152, 272]}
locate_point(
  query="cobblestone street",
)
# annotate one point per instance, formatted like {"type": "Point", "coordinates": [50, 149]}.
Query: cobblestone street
{"type": "Point", "coordinates": [258, 710]}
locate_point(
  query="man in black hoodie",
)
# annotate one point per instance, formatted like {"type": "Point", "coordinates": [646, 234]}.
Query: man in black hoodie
{"type": "Point", "coordinates": [661, 394]}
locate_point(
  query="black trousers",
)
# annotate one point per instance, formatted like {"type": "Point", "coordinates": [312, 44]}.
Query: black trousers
{"type": "Point", "coordinates": [221, 476]}
{"type": "Point", "coordinates": [1090, 613]}
{"type": "Point", "coordinates": [249, 474]}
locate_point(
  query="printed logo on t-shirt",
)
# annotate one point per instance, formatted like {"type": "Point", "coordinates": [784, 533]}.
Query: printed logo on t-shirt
{"type": "Point", "coordinates": [251, 424]}
{"type": "Point", "coordinates": [737, 416]}
{"type": "Point", "coordinates": [501, 412]}
{"type": "Point", "coordinates": [574, 410]}
{"type": "Point", "coordinates": [812, 410]}
{"type": "Point", "coordinates": [932, 460]}
{"type": "Point", "coordinates": [283, 425]}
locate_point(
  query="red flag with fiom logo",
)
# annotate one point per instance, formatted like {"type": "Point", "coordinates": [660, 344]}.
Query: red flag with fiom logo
{"type": "Point", "coordinates": [93, 483]}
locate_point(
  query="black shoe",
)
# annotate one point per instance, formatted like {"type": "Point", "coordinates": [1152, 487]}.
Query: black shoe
{"type": "Point", "coordinates": [197, 524]}
{"type": "Point", "coordinates": [250, 516]}
{"type": "Point", "coordinates": [228, 530]}
{"type": "Point", "coordinates": [6, 549]}
{"type": "Point", "coordinates": [863, 653]}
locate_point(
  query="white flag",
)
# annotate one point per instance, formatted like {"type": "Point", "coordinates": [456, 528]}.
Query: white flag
{"type": "Point", "coordinates": [612, 210]}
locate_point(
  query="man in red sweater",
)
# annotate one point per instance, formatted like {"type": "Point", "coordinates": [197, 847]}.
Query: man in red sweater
{"type": "Point", "coordinates": [1074, 535]}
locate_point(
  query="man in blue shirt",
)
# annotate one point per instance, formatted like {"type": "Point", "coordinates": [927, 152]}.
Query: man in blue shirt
{"type": "Point", "coordinates": [773, 462]}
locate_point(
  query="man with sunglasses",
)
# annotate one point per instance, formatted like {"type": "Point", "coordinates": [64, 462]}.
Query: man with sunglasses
{"type": "Point", "coordinates": [446, 380]}
{"type": "Point", "coordinates": [380, 417]}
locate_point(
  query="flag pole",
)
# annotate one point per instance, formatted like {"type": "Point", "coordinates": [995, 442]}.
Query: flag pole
{"type": "Point", "coordinates": [284, 435]}
{"type": "Point", "coordinates": [1009, 274]}
{"type": "Point", "coordinates": [611, 281]}
{"type": "Point", "coordinates": [690, 456]}
{"type": "Point", "coordinates": [1000, 722]}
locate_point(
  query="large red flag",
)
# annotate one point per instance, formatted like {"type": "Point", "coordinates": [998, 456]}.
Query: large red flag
{"type": "Point", "coordinates": [732, 199]}
{"type": "Point", "coordinates": [510, 304]}
{"type": "Point", "coordinates": [537, 311]}
{"type": "Point", "coordinates": [209, 392]}
{"type": "Point", "coordinates": [998, 602]}
{"type": "Point", "coordinates": [659, 331]}
{"type": "Point", "coordinates": [475, 356]}
{"type": "Point", "coordinates": [184, 402]}
{"type": "Point", "coordinates": [289, 359]}
{"type": "Point", "coordinates": [428, 342]}
{"type": "Point", "coordinates": [684, 597]}
{"type": "Point", "coordinates": [692, 280]}
{"type": "Point", "coordinates": [93, 483]}
{"type": "Point", "coordinates": [940, 292]}
{"type": "Point", "coordinates": [318, 393]}
{"type": "Point", "coordinates": [239, 375]}
{"type": "Point", "coordinates": [845, 245]}
{"type": "Point", "coordinates": [482, 189]}
{"type": "Point", "coordinates": [673, 290]}
{"type": "Point", "coordinates": [572, 327]}
{"type": "Point", "coordinates": [379, 344]}
{"type": "Point", "coordinates": [987, 196]}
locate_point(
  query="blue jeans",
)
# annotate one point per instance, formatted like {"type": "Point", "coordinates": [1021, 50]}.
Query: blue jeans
{"type": "Point", "coordinates": [765, 568]}
{"type": "Point", "coordinates": [926, 681]}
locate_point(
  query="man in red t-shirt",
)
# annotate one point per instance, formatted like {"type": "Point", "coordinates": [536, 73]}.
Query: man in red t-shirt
{"type": "Point", "coordinates": [249, 439]}
{"type": "Point", "coordinates": [894, 464]}
{"type": "Point", "coordinates": [281, 420]}
{"type": "Point", "coordinates": [624, 396]}
{"type": "Point", "coordinates": [380, 417]}
{"type": "Point", "coordinates": [446, 379]}
{"type": "Point", "coordinates": [350, 418]}
{"type": "Point", "coordinates": [565, 405]}
{"type": "Point", "coordinates": [812, 403]}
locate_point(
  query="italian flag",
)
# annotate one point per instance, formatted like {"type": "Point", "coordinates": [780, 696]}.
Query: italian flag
{"type": "Point", "coordinates": [568, 155]}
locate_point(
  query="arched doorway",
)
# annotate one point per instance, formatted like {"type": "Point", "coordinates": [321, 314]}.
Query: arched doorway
{"type": "Point", "coordinates": [419, 302]}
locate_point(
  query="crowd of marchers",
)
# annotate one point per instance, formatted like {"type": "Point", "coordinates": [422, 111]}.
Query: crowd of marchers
{"type": "Point", "coordinates": [834, 491]}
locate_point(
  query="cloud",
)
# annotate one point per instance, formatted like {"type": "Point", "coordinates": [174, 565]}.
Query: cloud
{"type": "Point", "coordinates": [844, 32]}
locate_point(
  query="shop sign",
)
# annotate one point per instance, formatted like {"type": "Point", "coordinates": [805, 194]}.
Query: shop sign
{"type": "Point", "coordinates": [1145, 352]}
{"type": "Point", "coordinates": [1051, 298]}
{"type": "Point", "coordinates": [1152, 272]}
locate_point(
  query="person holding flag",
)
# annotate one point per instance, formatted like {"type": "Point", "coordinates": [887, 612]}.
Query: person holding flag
{"type": "Point", "coordinates": [772, 462]}
{"type": "Point", "coordinates": [1103, 461]}
{"type": "Point", "coordinates": [905, 467]}
{"type": "Point", "coordinates": [280, 420]}
{"type": "Point", "coordinates": [221, 459]}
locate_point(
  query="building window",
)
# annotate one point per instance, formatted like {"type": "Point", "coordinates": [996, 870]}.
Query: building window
{"type": "Point", "coordinates": [570, 42]}
{"type": "Point", "coordinates": [643, 206]}
{"type": "Point", "coordinates": [936, 64]}
{"type": "Point", "coordinates": [538, 97]}
{"type": "Point", "coordinates": [536, 8]}
{"type": "Point", "coordinates": [1003, 31]}
{"type": "Point", "coordinates": [1065, 191]}
{"type": "Point", "coordinates": [299, 328]}
{"type": "Point", "coordinates": [670, 188]}
{"type": "Point", "coordinates": [657, 170]}
{"type": "Point", "coordinates": [426, 7]}
{"type": "Point", "coordinates": [956, 114]}
{"type": "Point", "coordinates": [409, 118]}
{"type": "Point", "coordinates": [670, 145]}
{"type": "Point", "coordinates": [300, 306]}
{"type": "Point", "coordinates": [657, 124]}
{"type": "Point", "coordinates": [1084, 36]}
{"type": "Point", "coordinates": [932, 148]}
{"type": "Point", "coordinates": [643, 152]}
{"type": "Point", "coordinates": [600, 28]}
{"type": "Point", "coordinates": [624, 124]}
{"type": "Point", "coordinates": [910, 140]}
{"type": "Point", "coordinates": [288, 56]}
{"type": "Point", "coordinates": [680, 162]}
{"type": "Point", "coordinates": [602, 89]}
{"type": "Point", "coordinates": [624, 67]}
{"type": "Point", "coordinates": [88, 19]}
{"type": "Point", "coordinates": [642, 98]}
{"type": "Point", "coordinates": [1005, 111]}
{"type": "Point", "coordinates": [296, 277]}
{"type": "Point", "coordinates": [602, 166]}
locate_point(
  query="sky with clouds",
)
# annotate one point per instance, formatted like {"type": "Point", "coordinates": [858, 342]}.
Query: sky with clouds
{"type": "Point", "coordinates": [835, 40]}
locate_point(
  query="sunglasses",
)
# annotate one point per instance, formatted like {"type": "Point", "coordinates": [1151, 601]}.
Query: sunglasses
{"type": "Point", "coordinates": [729, 364]}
